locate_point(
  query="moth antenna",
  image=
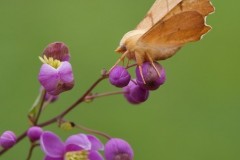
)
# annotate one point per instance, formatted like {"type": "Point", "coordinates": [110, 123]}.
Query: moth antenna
{"type": "Point", "coordinates": [118, 61]}
{"type": "Point", "coordinates": [141, 73]}
{"type": "Point", "coordinates": [152, 63]}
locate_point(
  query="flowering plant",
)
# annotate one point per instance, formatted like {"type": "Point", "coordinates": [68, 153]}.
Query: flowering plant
{"type": "Point", "coordinates": [55, 77]}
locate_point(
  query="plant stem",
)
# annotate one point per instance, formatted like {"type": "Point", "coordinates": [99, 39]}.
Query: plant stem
{"type": "Point", "coordinates": [40, 108]}
{"type": "Point", "coordinates": [132, 65]}
{"type": "Point", "coordinates": [61, 115]}
{"type": "Point", "coordinates": [31, 150]}
{"type": "Point", "coordinates": [93, 131]}
{"type": "Point", "coordinates": [81, 99]}
{"type": "Point", "coordinates": [98, 95]}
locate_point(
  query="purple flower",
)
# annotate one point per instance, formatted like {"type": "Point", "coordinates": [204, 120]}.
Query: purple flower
{"type": "Point", "coordinates": [34, 133]}
{"type": "Point", "coordinates": [119, 76]}
{"type": "Point", "coordinates": [7, 139]}
{"type": "Point", "coordinates": [57, 50]}
{"type": "Point", "coordinates": [135, 94]}
{"type": "Point", "coordinates": [80, 146]}
{"type": "Point", "coordinates": [118, 149]}
{"type": "Point", "coordinates": [56, 76]}
{"type": "Point", "coordinates": [150, 75]}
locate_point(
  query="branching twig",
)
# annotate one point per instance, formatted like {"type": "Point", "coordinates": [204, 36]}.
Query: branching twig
{"type": "Point", "coordinates": [61, 115]}
{"type": "Point", "coordinates": [98, 95]}
{"type": "Point", "coordinates": [31, 150]}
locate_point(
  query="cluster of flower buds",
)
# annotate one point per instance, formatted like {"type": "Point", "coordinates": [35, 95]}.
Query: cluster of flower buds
{"type": "Point", "coordinates": [55, 73]}
{"type": "Point", "coordinates": [9, 139]}
{"type": "Point", "coordinates": [137, 90]}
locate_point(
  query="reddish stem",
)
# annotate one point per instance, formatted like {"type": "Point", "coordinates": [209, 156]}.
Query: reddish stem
{"type": "Point", "coordinates": [61, 115]}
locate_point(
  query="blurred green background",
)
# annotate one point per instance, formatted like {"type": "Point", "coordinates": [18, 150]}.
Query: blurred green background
{"type": "Point", "coordinates": [194, 116]}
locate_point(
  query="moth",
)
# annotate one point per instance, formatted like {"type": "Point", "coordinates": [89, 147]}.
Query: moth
{"type": "Point", "coordinates": [168, 25]}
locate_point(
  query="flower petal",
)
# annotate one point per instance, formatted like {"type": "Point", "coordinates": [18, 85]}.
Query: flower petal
{"type": "Point", "coordinates": [95, 142]}
{"type": "Point", "coordinates": [94, 155]}
{"type": "Point", "coordinates": [52, 145]}
{"type": "Point", "coordinates": [48, 77]}
{"type": "Point", "coordinates": [73, 147]}
{"type": "Point", "coordinates": [65, 72]}
{"type": "Point", "coordinates": [57, 50]}
{"type": "Point", "coordinates": [50, 158]}
{"type": "Point", "coordinates": [79, 139]}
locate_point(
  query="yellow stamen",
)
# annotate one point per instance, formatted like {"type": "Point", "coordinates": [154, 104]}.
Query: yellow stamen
{"type": "Point", "coordinates": [76, 155]}
{"type": "Point", "coordinates": [52, 62]}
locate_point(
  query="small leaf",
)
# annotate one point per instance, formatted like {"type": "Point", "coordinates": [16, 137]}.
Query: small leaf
{"type": "Point", "coordinates": [36, 106]}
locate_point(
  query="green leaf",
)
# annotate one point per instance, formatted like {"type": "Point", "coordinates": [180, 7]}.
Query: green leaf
{"type": "Point", "coordinates": [36, 106]}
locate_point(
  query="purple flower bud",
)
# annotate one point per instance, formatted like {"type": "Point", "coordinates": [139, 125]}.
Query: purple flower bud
{"type": "Point", "coordinates": [117, 148]}
{"type": "Point", "coordinates": [135, 94]}
{"type": "Point", "coordinates": [57, 50]}
{"type": "Point", "coordinates": [8, 139]}
{"type": "Point", "coordinates": [150, 75]}
{"type": "Point", "coordinates": [34, 133]}
{"type": "Point", "coordinates": [56, 77]}
{"type": "Point", "coordinates": [119, 76]}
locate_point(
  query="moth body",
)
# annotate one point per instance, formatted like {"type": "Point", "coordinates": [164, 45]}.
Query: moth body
{"type": "Point", "coordinates": [140, 51]}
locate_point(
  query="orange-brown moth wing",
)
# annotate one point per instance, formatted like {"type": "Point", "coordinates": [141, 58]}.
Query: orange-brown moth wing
{"type": "Point", "coordinates": [159, 9]}
{"type": "Point", "coordinates": [177, 30]}
{"type": "Point", "coordinates": [204, 7]}
{"type": "Point", "coordinates": [180, 25]}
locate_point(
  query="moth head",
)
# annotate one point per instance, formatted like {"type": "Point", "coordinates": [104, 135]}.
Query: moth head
{"type": "Point", "coordinates": [129, 37]}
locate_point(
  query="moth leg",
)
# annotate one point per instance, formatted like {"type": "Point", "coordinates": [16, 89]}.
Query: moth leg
{"type": "Point", "coordinates": [139, 61]}
{"type": "Point", "coordinates": [123, 61]}
{"type": "Point", "coordinates": [141, 73]}
{"type": "Point", "coordinates": [127, 63]}
{"type": "Point", "coordinates": [119, 60]}
{"type": "Point", "coordinates": [152, 63]}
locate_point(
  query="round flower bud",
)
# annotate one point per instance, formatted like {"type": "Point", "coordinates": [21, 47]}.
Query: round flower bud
{"type": "Point", "coordinates": [8, 139]}
{"type": "Point", "coordinates": [57, 50]}
{"type": "Point", "coordinates": [119, 76]}
{"type": "Point", "coordinates": [150, 75]}
{"type": "Point", "coordinates": [34, 133]}
{"type": "Point", "coordinates": [117, 148]}
{"type": "Point", "coordinates": [135, 94]}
